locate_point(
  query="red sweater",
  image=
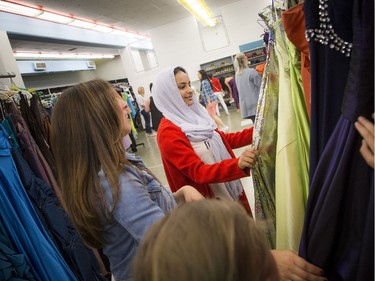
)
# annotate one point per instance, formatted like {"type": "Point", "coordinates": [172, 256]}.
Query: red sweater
{"type": "Point", "coordinates": [183, 166]}
{"type": "Point", "coordinates": [216, 86]}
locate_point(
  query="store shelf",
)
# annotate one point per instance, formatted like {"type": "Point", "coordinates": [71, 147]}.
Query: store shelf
{"type": "Point", "coordinates": [218, 67]}
{"type": "Point", "coordinates": [257, 57]}
{"type": "Point", "coordinates": [223, 73]}
{"type": "Point", "coordinates": [255, 64]}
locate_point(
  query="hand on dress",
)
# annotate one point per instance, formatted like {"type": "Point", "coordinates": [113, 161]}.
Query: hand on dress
{"type": "Point", "coordinates": [187, 193]}
{"type": "Point", "coordinates": [248, 158]}
{"type": "Point", "coordinates": [294, 268]}
{"type": "Point", "coordinates": [366, 129]}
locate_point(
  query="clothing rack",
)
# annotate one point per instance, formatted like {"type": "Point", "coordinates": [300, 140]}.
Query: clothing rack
{"type": "Point", "coordinates": [120, 86]}
{"type": "Point", "coordinates": [8, 75]}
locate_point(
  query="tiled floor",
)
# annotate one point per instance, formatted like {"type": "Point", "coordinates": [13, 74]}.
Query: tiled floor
{"type": "Point", "coordinates": [151, 155]}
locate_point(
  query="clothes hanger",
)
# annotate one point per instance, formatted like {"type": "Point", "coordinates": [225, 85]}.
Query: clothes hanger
{"type": "Point", "coordinates": [2, 113]}
{"type": "Point", "coordinates": [262, 23]}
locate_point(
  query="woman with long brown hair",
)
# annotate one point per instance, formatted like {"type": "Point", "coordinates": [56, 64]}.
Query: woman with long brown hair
{"type": "Point", "coordinates": [111, 197]}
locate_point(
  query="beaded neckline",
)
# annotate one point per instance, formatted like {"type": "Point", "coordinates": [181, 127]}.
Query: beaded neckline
{"type": "Point", "coordinates": [325, 34]}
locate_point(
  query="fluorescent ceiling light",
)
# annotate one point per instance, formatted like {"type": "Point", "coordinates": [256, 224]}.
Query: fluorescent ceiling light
{"type": "Point", "coordinates": [102, 28]}
{"type": "Point", "coordinates": [82, 24]}
{"type": "Point", "coordinates": [33, 55]}
{"type": "Point", "coordinates": [69, 20]}
{"type": "Point", "coordinates": [54, 17]}
{"type": "Point", "coordinates": [19, 9]}
{"type": "Point", "coordinates": [200, 11]}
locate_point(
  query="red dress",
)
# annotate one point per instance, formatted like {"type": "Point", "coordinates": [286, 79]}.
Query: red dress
{"type": "Point", "coordinates": [183, 166]}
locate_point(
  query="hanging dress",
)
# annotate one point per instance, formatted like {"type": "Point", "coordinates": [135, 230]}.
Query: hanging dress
{"type": "Point", "coordinates": [265, 133]}
{"type": "Point", "coordinates": [338, 233]}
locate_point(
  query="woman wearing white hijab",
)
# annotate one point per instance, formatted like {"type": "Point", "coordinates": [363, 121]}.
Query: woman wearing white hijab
{"type": "Point", "coordinates": [193, 150]}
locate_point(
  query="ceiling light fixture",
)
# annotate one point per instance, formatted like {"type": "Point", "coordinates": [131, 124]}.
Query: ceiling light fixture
{"type": "Point", "coordinates": [19, 9]}
{"type": "Point", "coordinates": [82, 24]}
{"type": "Point", "coordinates": [102, 28]}
{"type": "Point", "coordinates": [40, 55]}
{"type": "Point", "coordinates": [54, 17]}
{"type": "Point", "coordinates": [40, 13]}
{"type": "Point", "coordinates": [200, 11]}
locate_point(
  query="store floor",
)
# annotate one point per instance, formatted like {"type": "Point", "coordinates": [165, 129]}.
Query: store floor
{"type": "Point", "coordinates": [151, 155]}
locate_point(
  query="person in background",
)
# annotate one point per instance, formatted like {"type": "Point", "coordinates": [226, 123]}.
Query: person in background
{"type": "Point", "coordinates": [146, 115]}
{"type": "Point", "coordinates": [366, 129]}
{"type": "Point", "coordinates": [210, 99]}
{"type": "Point", "coordinates": [229, 84]}
{"type": "Point", "coordinates": [150, 106]}
{"type": "Point", "coordinates": [218, 91]}
{"type": "Point", "coordinates": [220, 242]}
{"type": "Point", "coordinates": [248, 82]}
{"type": "Point", "coordinates": [110, 195]}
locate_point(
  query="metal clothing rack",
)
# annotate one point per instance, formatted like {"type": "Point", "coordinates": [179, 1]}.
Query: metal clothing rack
{"type": "Point", "coordinates": [119, 90]}
{"type": "Point", "coordinates": [8, 75]}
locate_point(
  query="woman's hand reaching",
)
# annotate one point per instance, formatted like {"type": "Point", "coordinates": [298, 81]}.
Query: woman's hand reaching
{"type": "Point", "coordinates": [294, 268]}
{"type": "Point", "coordinates": [248, 158]}
{"type": "Point", "coordinates": [366, 129]}
{"type": "Point", "coordinates": [187, 193]}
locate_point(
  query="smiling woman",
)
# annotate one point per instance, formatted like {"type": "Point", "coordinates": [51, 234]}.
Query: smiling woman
{"type": "Point", "coordinates": [193, 150]}
{"type": "Point", "coordinates": [184, 86]}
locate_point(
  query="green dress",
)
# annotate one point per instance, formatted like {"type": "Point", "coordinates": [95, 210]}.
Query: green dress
{"type": "Point", "coordinates": [281, 133]}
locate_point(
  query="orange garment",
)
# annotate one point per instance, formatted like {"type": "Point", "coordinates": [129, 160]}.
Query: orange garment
{"type": "Point", "coordinates": [260, 68]}
{"type": "Point", "coordinates": [294, 26]}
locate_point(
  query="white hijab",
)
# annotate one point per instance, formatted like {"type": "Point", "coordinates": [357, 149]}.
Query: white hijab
{"type": "Point", "coordinates": [193, 120]}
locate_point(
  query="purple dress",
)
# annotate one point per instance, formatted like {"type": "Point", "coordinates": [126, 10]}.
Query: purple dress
{"type": "Point", "coordinates": [233, 85]}
{"type": "Point", "coordinates": [338, 233]}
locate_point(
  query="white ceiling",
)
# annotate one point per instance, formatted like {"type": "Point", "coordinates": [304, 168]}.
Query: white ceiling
{"type": "Point", "coordinates": [136, 15]}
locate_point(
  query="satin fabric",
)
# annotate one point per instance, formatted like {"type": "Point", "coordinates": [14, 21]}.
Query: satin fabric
{"type": "Point", "coordinates": [294, 26]}
{"type": "Point", "coordinates": [291, 163]}
{"type": "Point", "coordinates": [265, 134]}
{"type": "Point", "coordinates": [338, 232]}
{"type": "Point", "coordinates": [23, 225]}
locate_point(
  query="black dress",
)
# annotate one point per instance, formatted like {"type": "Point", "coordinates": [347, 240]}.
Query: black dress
{"type": "Point", "coordinates": [156, 115]}
{"type": "Point", "coordinates": [338, 233]}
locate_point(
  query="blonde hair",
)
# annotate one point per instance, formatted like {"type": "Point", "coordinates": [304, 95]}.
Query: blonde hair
{"type": "Point", "coordinates": [87, 137]}
{"type": "Point", "coordinates": [141, 90]}
{"type": "Point", "coordinates": [240, 63]}
{"type": "Point", "coordinates": [208, 240]}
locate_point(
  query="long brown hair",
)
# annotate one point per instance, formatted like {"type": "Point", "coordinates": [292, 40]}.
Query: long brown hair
{"type": "Point", "coordinates": [208, 240]}
{"type": "Point", "coordinates": [87, 137]}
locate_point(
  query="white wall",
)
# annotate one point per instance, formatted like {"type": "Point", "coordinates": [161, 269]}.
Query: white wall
{"type": "Point", "coordinates": [8, 62]}
{"type": "Point", "coordinates": [110, 69]}
{"type": "Point", "coordinates": [179, 43]}
{"type": "Point", "coordinates": [105, 69]}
